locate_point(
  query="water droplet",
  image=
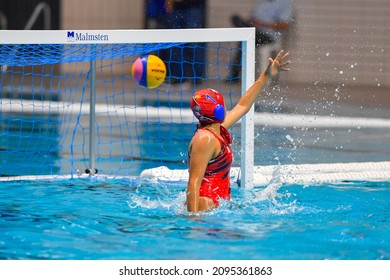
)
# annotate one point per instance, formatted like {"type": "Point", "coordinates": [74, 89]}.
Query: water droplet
{"type": "Point", "coordinates": [289, 138]}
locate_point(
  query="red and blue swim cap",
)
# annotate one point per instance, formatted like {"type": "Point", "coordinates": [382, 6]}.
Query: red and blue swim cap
{"type": "Point", "coordinates": [208, 106]}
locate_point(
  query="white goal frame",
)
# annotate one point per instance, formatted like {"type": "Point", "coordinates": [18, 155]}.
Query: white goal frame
{"type": "Point", "coordinates": [244, 35]}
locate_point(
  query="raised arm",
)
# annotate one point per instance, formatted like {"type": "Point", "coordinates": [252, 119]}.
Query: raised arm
{"type": "Point", "coordinates": [245, 103]}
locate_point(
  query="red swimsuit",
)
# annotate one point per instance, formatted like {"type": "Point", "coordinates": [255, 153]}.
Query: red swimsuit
{"type": "Point", "coordinates": [216, 181]}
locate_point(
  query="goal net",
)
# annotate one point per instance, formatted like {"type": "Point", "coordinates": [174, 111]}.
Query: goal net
{"type": "Point", "coordinates": [69, 104]}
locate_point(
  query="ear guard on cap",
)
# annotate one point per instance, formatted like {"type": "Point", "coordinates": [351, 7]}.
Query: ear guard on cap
{"type": "Point", "coordinates": [219, 112]}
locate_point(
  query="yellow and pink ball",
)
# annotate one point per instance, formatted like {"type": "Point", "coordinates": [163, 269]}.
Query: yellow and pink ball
{"type": "Point", "coordinates": [149, 71]}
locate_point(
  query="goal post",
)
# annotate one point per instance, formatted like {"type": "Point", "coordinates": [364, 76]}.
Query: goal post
{"type": "Point", "coordinates": [69, 103]}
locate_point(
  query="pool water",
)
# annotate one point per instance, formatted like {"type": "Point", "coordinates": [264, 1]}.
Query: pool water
{"type": "Point", "coordinates": [100, 218]}
{"type": "Point", "coordinates": [134, 219]}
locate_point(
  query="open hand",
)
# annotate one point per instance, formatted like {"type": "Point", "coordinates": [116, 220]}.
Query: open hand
{"type": "Point", "coordinates": [277, 64]}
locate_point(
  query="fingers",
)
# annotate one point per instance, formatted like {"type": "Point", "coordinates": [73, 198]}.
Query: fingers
{"type": "Point", "coordinates": [278, 63]}
{"type": "Point", "coordinates": [285, 63]}
{"type": "Point", "coordinates": [280, 58]}
{"type": "Point", "coordinates": [283, 66]}
{"type": "Point", "coordinates": [281, 55]}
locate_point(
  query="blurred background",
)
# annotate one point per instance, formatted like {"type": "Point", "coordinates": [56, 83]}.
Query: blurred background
{"type": "Point", "coordinates": [340, 48]}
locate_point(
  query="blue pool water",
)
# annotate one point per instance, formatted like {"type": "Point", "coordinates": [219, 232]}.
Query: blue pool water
{"type": "Point", "coordinates": [134, 219]}
{"type": "Point", "coordinates": [129, 218]}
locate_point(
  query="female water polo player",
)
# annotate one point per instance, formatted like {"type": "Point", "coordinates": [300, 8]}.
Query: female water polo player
{"type": "Point", "coordinates": [209, 153]}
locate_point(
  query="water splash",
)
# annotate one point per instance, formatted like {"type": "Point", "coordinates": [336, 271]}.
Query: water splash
{"type": "Point", "coordinates": [270, 192]}
{"type": "Point", "coordinates": [154, 197]}
{"type": "Point", "coordinates": [151, 194]}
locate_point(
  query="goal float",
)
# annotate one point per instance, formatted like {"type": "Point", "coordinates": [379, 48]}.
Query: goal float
{"type": "Point", "coordinates": [290, 174]}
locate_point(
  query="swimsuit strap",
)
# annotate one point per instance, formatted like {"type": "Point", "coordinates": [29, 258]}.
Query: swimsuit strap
{"type": "Point", "coordinates": [220, 139]}
{"type": "Point", "coordinates": [225, 134]}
